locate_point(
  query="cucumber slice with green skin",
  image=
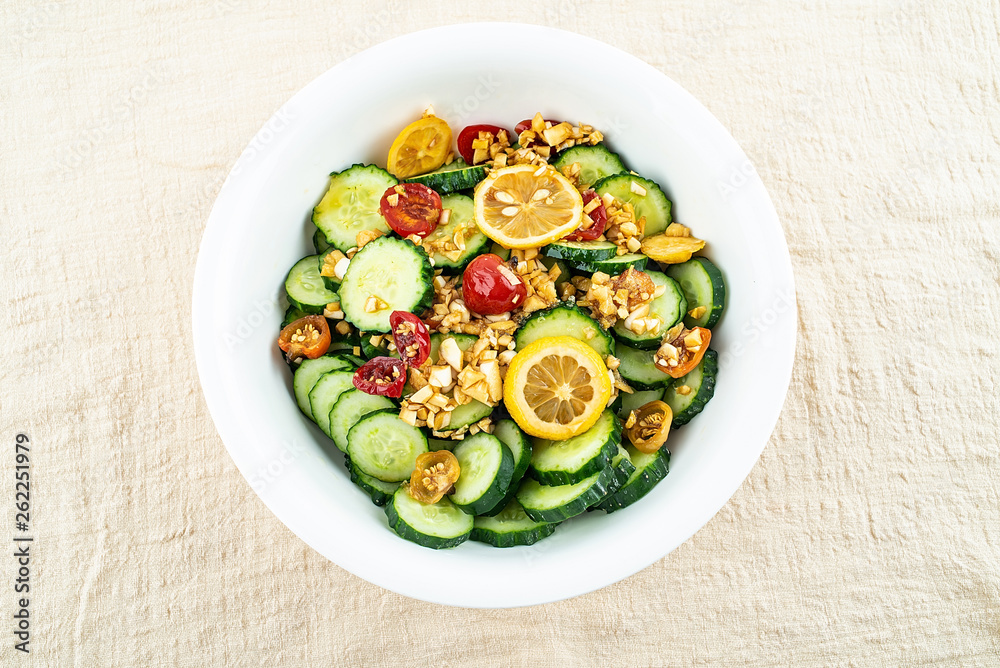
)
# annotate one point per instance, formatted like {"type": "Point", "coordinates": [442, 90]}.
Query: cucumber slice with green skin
{"type": "Point", "coordinates": [510, 527]}
{"type": "Point", "coordinates": [636, 400]}
{"type": "Point", "coordinates": [435, 444]}
{"type": "Point", "coordinates": [624, 468]}
{"type": "Point", "coordinates": [392, 269]}
{"type": "Point", "coordinates": [638, 370]}
{"type": "Point", "coordinates": [380, 492]}
{"type": "Point", "coordinates": [703, 285]}
{"type": "Point", "coordinates": [564, 273]}
{"type": "Point", "coordinates": [292, 313]}
{"type": "Point", "coordinates": [384, 447]}
{"type": "Point", "coordinates": [464, 342]}
{"type": "Point", "coordinates": [701, 380]}
{"type": "Point", "coordinates": [596, 163]}
{"type": "Point", "coordinates": [570, 461]}
{"type": "Point", "coordinates": [309, 373]}
{"type": "Point", "coordinates": [487, 466]}
{"type": "Point", "coordinates": [544, 503]}
{"type": "Point", "coordinates": [351, 205]}
{"type": "Point", "coordinates": [468, 414]}
{"type": "Point", "coordinates": [649, 470]}
{"type": "Point", "coordinates": [669, 307]}
{"type": "Point", "coordinates": [520, 448]}
{"type": "Point", "coordinates": [654, 205]}
{"type": "Point", "coordinates": [332, 283]}
{"type": "Point", "coordinates": [462, 217]}
{"type": "Point", "coordinates": [319, 242]}
{"type": "Point", "coordinates": [435, 525]}
{"type": "Point", "coordinates": [349, 409]}
{"type": "Point", "coordinates": [615, 266]}
{"type": "Point", "coordinates": [305, 288]}
{"type": "Point", "coordinates": [325, 394]}
{"type": "Point", "coordinates": [451, 178]}
{"type": "Point", "coordinates": [497, 249]}
{"type": "Point", "coordinates": [371, 350]}
{"type": "Point", "coordinates": [565, 319]}
{"type": "Point", "coordinates": [581, 252]}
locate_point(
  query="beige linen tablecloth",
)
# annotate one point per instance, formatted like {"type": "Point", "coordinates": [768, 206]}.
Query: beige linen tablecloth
{"type": "Point", "coordinates": [868, 533]}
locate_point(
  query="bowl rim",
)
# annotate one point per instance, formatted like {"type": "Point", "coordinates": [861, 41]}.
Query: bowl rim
{"type": "Point", "coordinates": [732, 472]}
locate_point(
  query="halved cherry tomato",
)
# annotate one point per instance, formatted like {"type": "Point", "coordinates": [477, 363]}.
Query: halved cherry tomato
{"type": "Point", "coordinates": [526, 125]}
{"type": "Point", "coordinates": [306, 337]}
{"type": "Point", "coordinates": [470, 134]}
{"type": "Point", "coordinates": [598, 216]}
{"type": "Point", "coordinates": [384, 376]}
{"type": "Point", "coordinates": [682, 350]}
{"type": "Point", "coordinates": [435, 473]}
{"type": "Point", "coordinates": [411, 208]}
{"type": "Point", "coordinates": [650, 426]}
{"type": "Point", "coordinates": [411, 337]}
{"type": "Point", "coordinates": [490, 287]}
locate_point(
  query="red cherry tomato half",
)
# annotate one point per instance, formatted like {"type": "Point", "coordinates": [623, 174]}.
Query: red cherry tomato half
{"type": "Point", "coordinates": [490, 287]}
{"type": "Point", "coordinates": [471, 133]}
{"type": "Point", "coordinates": [383, 376]}
{"type": "Point", "coordinates": [411, 208]}
{"type": "Point", "coordinates": [598, 215]}
{"type": "Point", "coordinates": [411, 337]}
{"type": "Point", "coordinates": [526, 125]}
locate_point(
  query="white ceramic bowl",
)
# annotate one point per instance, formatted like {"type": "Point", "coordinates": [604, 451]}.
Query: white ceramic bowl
{"type": "Point", "coordinates": [260, 226]}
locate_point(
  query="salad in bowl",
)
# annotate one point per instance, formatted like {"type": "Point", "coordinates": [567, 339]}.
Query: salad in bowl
{"type": "Point", "coordinates": [501, 339]}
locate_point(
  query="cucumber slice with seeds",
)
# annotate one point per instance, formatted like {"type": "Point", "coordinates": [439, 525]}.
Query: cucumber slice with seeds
{"type": "Point", "coordinates": [544, 503]}
{"type": "Point", "coordinates": [581, 251]}
{"type": "Point", "coordinates": [384, 447]}
{"type": "Point", "coordinates": [487, 466]}
{"type": "Point", "coordinates": [596, 162]}
{"type": "Point", "coordinates": [510, 527]}
{"type": "Point", "coordinates": [703, 285]}
{"type": "Point", "coordinates": [325, 394]}
{"type": "Point", "coordinates": [305, 288]}
{"type": "Point", "coordinates": [565, 319]}
{"type": "Point", "coordinates": [462, 217]}
{"type": "Point", "coordinates": [379, 492]}
{"type": "Point", "coordinates": [468, 414]}
{"type": "Point", "coordinates": [351, 406]}
{"type": "Point", "coordinates": [451, 178]}
{"type": "Point", "coordinates": [351, 205]}
{"type": "Point", "coordinates": [436, 525]}
{"type": "Point", "coordinates": [649, 471]}
{"type": "Point", "coordinates": [391, 270]}
{"type": "Point", "coordinates": [700, 382]}
{"type": "Point", "coordinates": [574, 459]}
{"type": "Point", "coordinates": [638, 370]}
{"type": "Point", "coordinates": [669, 307]}
{"type": "Point", "coordinates": [511, 435]}
{"type": "Point", "coordinates": [307, 375]}
{"type": "Point", "coordinates": [654, 204]}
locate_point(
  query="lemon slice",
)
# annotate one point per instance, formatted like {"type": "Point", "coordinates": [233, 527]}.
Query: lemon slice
{"type": "Point", "coordinates": [527, 206]}
{"type": "Point", "coordinates": [421, 147]}
{"type": "Point", "coordinates": [556, 387]}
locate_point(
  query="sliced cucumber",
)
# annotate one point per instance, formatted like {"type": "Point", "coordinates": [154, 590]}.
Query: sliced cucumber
{"type": "Point", "coordinates": [638, 370]}
{"type": "Point", "coordinates": [332, 283]}
{"type": "Point", "coordinates": [468, 414]}
{"type": "Point", "coordinates": [616, 265]}
{"type": "Point", "coordinates": [351, 205]}
{"type": "Point", "coordinates": [487, 466]}
{"type": "Point", "coordinates": [394, 271]}
{"type": "Point", "coordinates": [351, 407]}
{"type": "Point", "coordinates": [636, 400]}
{"type": "Point", "coordinates": [654, 205]}
{"type": "Point", "coordinates": [462, 217]}
{"type": "Point", "coordinates": [565, 319]}
{"type": "Point", "coordinates": [305, 288]}
{"type": "Point", "coordinates": [379, 491]}
{"type": "Point", "coordinates": [581, 251]}
{"type": "Point", "coordinates": [510, 434]}
{"type": "Point", "coordinates": [308, 373]}
{"type": "Point", "coordinates": [703, 285]}
{"type": "Point", "coordinates": [325, 394]}
{"type": "Point", "coordinates": [385, 447]}
{"type": "Point", "coordinates": [574, 459]}
{"type": "Point", "coordinates": [319, 242]}
{"type": "Point", "coordinates": [564, 274]}
{"type": "Point", "coordinates": [701, 388]}
{"type": "Point", "coordinates": [669, 307]}
{"type": "Point", "coordinates": [292, 313]}
{"type": "Point", "coordinates": [649, 470]}
{"type": "Point", "coordinates": [464, 342]}
{"type": "Point", "coordinates": [497, 249]}
{"type": "Point", "coordinates": [437, 525]}
{"type": "Point", "coordinates": [596, 162]}
{"type": "Point", "coordinates": [624, 468]}
{"type": "Point", "coordinates": [543, 503]}
{"type": "Point", "coordinates": [510, 527]}
{"type": "Point", "coordinates": [434, 444]}
{"type": "Point", "coordinates": [381, 349]}
{"type": "Point", "coordinates": [451, 178]}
